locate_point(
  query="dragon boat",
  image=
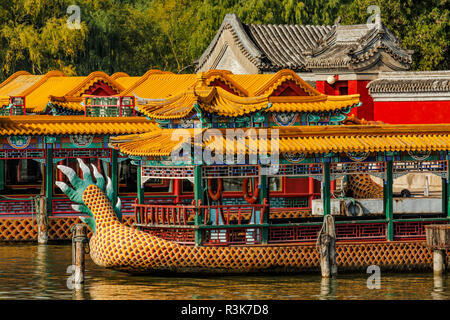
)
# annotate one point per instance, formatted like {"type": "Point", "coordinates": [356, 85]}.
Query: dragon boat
{"type": "Point", "coordinates": [125, 248]}
{"type": "Point", "coordinates": [215, 134]}
{"type": "Point", "coordinates": [120, 247]}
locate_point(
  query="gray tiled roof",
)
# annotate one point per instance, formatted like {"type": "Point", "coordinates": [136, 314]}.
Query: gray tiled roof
{"type": "Point", "coordinates": [359, 47]}
{"type": "Point", "coordinates": [284, 45]}
{"type": "Point", "coordinates": [411, 82]}
{"type": "Point", "coordinates": [311, 47]}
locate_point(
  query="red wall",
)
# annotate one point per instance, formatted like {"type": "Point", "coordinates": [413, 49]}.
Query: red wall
{"type": "Point", "coordinates": [395, 112]}
{"type": "Point", "coordinates": [403, 112]}
{"type": "Point", "coordinates": [366, 110]}
{"type": "Point", "coordinates": [324, 87]}
{"type": "Point", "coordinates": [353, 87]}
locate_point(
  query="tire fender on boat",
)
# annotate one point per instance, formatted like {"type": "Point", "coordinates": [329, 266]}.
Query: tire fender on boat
{"type": "Point", "coordinates": [354, 209]}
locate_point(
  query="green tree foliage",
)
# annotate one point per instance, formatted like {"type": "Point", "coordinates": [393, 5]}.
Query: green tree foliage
{"type": "Point", "coordinates": [136, 35]}
{"type": "Point", "coordinates": [37, 43]}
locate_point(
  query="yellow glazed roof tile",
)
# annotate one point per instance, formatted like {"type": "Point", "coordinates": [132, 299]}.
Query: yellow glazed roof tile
{"type": "Point", "coordinates": [308, 139]}
{"type": "Point", "coordinates": [156, 84]}
{"type": "Point", "coordinates": [37, 100]}
{"type": "Point", "coordinates": [127, 82]}
{"type": "Point", "coordinates": [60, 125]}
{"type": "Point", "coordinates": [38, 88]}
{"type": "Point", "coordinates": [172, 96]}
{"type": "Point", "coordinates": [17, 83]}
{"type": "Point", "coordinates": [22, 83]}
{"type": "Point", "coordinates": [166, 95]}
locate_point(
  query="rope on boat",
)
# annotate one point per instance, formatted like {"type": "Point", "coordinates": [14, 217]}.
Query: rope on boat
{"type": "Point", "coordinates": [328, 227]}
{"type": "Point", "coordinates": [22, 199]}
{"type": "Point", "coordinates": [37, 209]}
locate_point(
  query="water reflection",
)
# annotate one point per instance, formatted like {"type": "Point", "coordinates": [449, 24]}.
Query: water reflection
{"type": "Point", "coordinates": [438, 292]}
{"type": "Point", "coordinates": [328, 288]}
{"type": "Point", "coordinates": [29, 271]}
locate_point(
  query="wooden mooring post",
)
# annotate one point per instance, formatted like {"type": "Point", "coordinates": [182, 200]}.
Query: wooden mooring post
{"type": "Point", "coordinates": [438, 239]}
{"type": "Point", "coordinates": [79, 244]}
{"type": "Point", "coordinates": [41, 218]}
{"type": "Point", "coordinates": [326, 243]}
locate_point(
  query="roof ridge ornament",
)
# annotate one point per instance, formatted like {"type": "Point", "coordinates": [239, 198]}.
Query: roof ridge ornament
{"type": "Point", "coordinates": [201, 80]}
{"type": "Point", "coordinates": [337, 21]}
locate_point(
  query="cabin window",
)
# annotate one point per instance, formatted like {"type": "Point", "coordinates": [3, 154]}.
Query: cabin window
{"type": "Point", "coordinates": [22, 176]}
{"type": "Point", "coordinates": [128, 180]}
{"type": "Point", "coordinates": [275, 183]}
{"type": "Point", "coordinates": [235, 185]}
{"type": "Point", "coordinates": [232, 185]}
{"type": "Point", "coordinates": [187, 186]}
{"type": "Point", "coordinates": [158, 186]}
{"type": "Point", "coordinates": [127, 177]}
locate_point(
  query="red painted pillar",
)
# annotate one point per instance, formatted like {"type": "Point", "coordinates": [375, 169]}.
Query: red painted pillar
{"type": "Point", "coordinates": [176, 189]}
{"type": "Point", "coordinates": [333, 185]}
{"type": "Point", "coordinates": [19, 166]}
{"type": "Point", "coordinates": [99, 165]}
{"type": "Point", "coordinates": [60, 174]}
{"type": "Point", "coordinates": [310, 191]}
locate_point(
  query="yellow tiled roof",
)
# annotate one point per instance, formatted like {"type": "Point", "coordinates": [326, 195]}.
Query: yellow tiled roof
{"type": "Point", "coordinates": [69, 103]}
{"type": "Point", "coordinates": [18, 83]}
{"type": "Point", "coordinates": [219, 101]}
{"type": "Point", "coordinates": [37, 100]}
{"type": "Point", "coordinates": [312, 103]}
{"type": "Point", "coordinates": [38, 88]}
{"type": "Point", "coordinates": [124, 79]}
{"type": "Point", "coordinates": [70, 94]}
{"type": "Point", "coordinates": [210, 99]}
{"type": "Point", "coordinates": [169, 96]}
{"type": "Point", "coordinates": [172, 96]}
{"type": "Point", "coordinates": [266, 84]}
{"type": "Point", "coordinates": [156, 84]}
{"type": "Point", "coordinates": [4, 101]}
{"type": "Point", "coordinates": [309, 139]}
{"type": "Point", "coordinates": [59, 125]}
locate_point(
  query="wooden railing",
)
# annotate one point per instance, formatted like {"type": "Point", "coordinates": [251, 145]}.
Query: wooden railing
{"type": "Point", "coordinates": [240, 224]}
{"type": "Point", "coordinates": [182, 214]}
{"type": "Point", "coordinates": [240, 213]}
{"type": "Point", "coordinates": [164, 214]}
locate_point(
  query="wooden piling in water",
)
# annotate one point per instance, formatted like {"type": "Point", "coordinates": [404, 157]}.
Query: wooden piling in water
{"type": "Point", "coordinates": [438, 261]}
{"type": "Point", "coordinates": [327, 245]}
{"type": "Point", "coordinates": [325, 256]}
{"type": "Point", "coordinates": [438, 239]}
{"type": "Point", "coordinates": [42, 219]}
{"type": "Point", "coordinates": [79, 243]}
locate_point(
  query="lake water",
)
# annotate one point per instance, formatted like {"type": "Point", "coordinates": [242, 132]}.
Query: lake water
{"type": "Point", "coordinates": [30, 271]}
